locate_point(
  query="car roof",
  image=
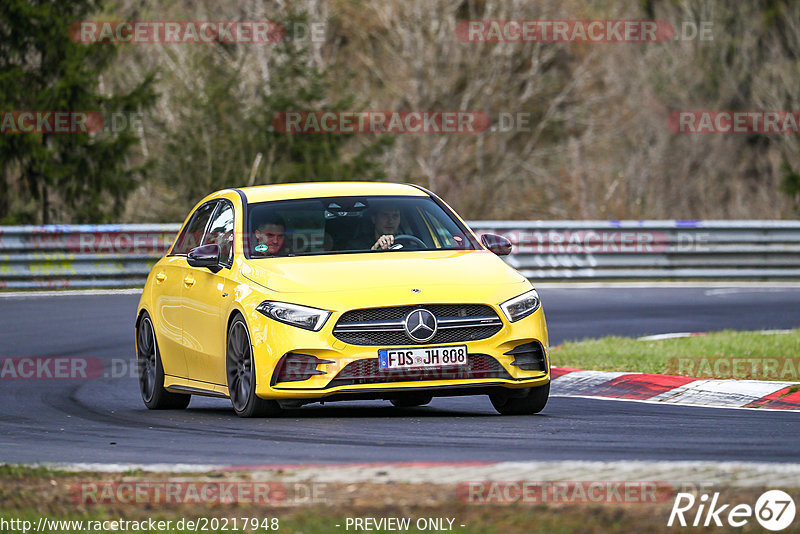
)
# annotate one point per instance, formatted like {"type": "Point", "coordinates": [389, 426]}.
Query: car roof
{"type": "Point", "coordinates": [264, 193]}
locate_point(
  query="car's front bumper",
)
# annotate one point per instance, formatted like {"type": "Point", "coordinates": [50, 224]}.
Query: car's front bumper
{"type": "Point", "coordinates": [272, 340]}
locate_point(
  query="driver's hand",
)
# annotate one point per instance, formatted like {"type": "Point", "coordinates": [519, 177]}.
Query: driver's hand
{"type": "Point", "coordinates": [383, 242]}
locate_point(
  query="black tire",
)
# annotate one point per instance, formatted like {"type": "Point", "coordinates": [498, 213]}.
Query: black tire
{"type": "Point", "coordinates": [151, 371]}
{"type": "Point", "coordinates": [409, 401]}
{"type": "Point", "coordinates": [533, 401]}
{"type": "Point", "coordinates": [240, 370]}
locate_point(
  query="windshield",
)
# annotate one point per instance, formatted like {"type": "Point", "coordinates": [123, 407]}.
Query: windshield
{"type": "Point", "coordinates": [339, 225]}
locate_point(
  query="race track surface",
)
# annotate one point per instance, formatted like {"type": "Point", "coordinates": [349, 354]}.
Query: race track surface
{"type": "Point", "coordinates": [104, 420]}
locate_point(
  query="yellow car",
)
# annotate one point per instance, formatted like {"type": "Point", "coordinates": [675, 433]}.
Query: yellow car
{"type": "Point", "coordinates": [283, 295]}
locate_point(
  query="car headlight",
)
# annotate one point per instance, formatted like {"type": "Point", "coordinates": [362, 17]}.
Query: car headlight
{"type": "Point", "coordinates": [294, 314]}
{"type": "Point", "coordinates": [521, 306]}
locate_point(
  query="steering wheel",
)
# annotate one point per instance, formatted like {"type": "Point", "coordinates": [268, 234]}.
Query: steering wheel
{"type": "Point", "coordinates": [410, 241]}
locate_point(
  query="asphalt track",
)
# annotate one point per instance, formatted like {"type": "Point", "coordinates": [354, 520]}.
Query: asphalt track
{"type": "Point", "coordinates": [104, 420]}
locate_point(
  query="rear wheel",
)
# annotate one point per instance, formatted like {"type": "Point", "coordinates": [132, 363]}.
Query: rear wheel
{"type": "Point", "coordinates": [151, 371]}
{"type": "Point", "coordinates": [532, 401]}
{"type": "Point", "coordinates": [241, 374]}
{"type": "Point", "coordinates": [410, 401]}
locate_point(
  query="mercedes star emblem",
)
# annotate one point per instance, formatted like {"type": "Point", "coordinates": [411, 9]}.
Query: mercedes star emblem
{"type": "Point", "coordinates": [420, 325]}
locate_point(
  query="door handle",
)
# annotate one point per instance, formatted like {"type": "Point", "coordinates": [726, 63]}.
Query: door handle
{"type": "Point", "coordinates": [160, 277]}
{"type": "Point", "coordinates": [188, 281]}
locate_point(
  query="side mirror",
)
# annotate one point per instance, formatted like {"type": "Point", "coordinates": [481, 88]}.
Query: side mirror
{"type": "Point", "coordinates": [497, 244]}
{"type": "Point", "coordinates": [205, 256]}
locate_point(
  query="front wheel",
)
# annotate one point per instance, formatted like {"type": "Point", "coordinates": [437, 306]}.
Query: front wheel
{"type": "Point", "coordinates": [241, 374]}
{"type": "Point", "coordinates": [533, 401]}
{"type": "Point", "coordinates": [151, 371]}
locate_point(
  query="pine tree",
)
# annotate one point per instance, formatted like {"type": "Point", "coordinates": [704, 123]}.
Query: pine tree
{"type": "Point", "coordinates": [87, 175]}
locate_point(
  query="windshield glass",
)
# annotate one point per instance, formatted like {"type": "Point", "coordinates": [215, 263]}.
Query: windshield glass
{"type": "Point", "coordinates": [338, 225]}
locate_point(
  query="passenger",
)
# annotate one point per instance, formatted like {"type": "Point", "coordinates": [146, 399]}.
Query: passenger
{"type": "Point", "coordinates": [270, 236]}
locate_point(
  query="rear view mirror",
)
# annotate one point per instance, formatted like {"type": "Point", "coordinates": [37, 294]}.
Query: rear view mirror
{"type": "Point", "coordinates": [205, 256]}
{"type": "Point", "coordinates": [497, 244]}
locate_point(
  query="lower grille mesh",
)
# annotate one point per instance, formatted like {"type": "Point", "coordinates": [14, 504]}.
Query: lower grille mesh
{"type": "Point", "coordinates": [368, 372]}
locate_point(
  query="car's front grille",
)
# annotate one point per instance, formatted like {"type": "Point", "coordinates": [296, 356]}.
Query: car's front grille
{"type": "Point", "coordinates": [384, 326]}
{"type": "Point", "coordinates": [368, 372]}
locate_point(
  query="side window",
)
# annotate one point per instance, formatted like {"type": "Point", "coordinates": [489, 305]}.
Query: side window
{"type": "Point", "coordinates": [220, 231]}
{"type": "Point", "coordinates": [193, 233]}
{"type": "Point", "coordinates": [446, 233]}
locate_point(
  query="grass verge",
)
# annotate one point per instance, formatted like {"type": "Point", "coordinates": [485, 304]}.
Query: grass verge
{"type": "Point", "coordinates": [726, 354]}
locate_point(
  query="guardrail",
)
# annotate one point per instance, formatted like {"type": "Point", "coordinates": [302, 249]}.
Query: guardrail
{"type": "Point", "coordinates": [81, 256]}
{"type": "Point", "coordinates": [58, 256]}
{"type": "Point", "coordinates": [652, 249]}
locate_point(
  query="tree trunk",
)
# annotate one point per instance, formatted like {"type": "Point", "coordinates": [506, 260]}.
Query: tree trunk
{"type": "Point", "coordinates": [45, 205]}
{"type": "Point", "coordinates": [3, 195]}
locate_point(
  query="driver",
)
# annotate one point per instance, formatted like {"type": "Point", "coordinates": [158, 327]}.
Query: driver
{"type": "Point", "coordinates": [386, 222]}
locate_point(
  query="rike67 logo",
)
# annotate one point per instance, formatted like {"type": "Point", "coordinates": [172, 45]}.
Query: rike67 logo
{"type": "Point", "coordinates": [774, 510]}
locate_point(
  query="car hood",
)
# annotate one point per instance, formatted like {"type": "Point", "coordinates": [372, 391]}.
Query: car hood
{"type": "Point", "coordinates": [389, 276]}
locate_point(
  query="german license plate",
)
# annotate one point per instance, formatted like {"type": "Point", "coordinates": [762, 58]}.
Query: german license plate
{"type": "Point", "coordinates": [423, 357]}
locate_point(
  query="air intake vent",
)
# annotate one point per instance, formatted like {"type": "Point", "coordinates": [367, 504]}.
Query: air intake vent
{"type": "Point", "coordinates": [529, 357]}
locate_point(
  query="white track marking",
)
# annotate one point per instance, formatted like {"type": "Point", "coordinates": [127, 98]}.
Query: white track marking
{"type": "Point", "coordinates": [721, 392]}
{"type": "Point", "coordinates": [577, 382]}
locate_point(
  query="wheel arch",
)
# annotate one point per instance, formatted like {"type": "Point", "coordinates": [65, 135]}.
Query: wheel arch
{"type": "Point", "coordinates": [136, 324]}
{"type": "Point", "coordinates": [235, 311]}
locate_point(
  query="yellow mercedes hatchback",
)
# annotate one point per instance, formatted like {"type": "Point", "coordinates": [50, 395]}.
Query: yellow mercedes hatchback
{"type": "Point", "coordinates": [283, 295]}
